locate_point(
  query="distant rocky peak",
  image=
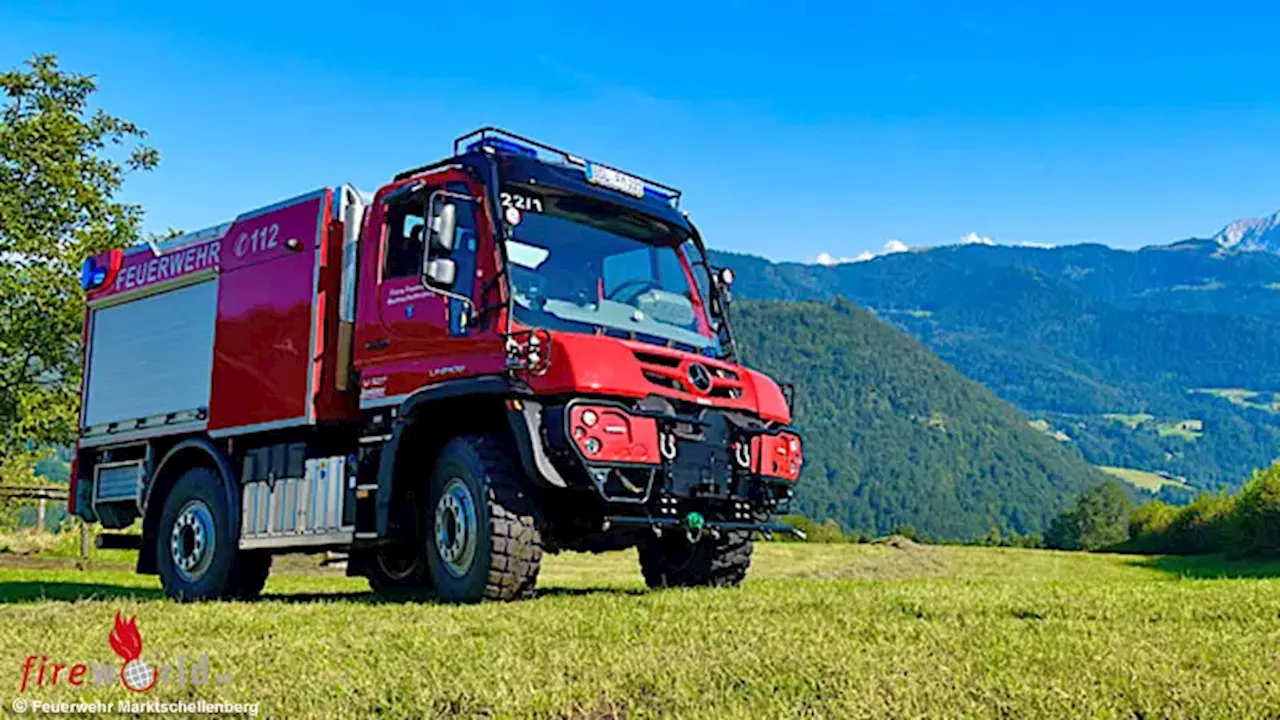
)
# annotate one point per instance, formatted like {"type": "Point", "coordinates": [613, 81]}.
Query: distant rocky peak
{"type": "Point", "coordinates": [1251, 234]}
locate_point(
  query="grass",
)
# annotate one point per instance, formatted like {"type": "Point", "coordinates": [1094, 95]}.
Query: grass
{"type": "Point", "coordinates": [1189, 430]}
{"type": "Point", "coordinates": [817, 631]}
{"type": "Point", "coordinates": [1242, 397]}
{"type": "Point", "coordinates": [1132, 420]}
{"type": "Point", "coordinates": [1141, 478]}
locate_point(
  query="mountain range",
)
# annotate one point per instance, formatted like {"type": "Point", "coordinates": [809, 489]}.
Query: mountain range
{"type": "Point", "coordinates": [1252, 234]}
{"type": "Point", "coordinates": [1164, 359]}
{"type": "Point", "coordinates": [893, 436]}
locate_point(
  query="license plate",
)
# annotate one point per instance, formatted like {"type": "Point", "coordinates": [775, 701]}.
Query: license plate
{"type": "Point", "coordinates": [615, 180]}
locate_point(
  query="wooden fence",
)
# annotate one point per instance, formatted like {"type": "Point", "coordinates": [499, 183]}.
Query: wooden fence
{"type": "Point", "coordinates": [42, 494]}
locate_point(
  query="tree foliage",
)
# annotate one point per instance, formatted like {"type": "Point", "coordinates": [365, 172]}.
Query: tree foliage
{"type": "Point", "coordinates": [62, 165]}
{"type": "Point", "coordinates": [1100, 518]}
{"type": "Point", "coordinates": [1244, 524]}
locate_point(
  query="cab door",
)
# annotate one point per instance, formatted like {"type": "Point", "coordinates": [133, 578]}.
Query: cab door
{"type": "Point", "coordinates": [407, 333]}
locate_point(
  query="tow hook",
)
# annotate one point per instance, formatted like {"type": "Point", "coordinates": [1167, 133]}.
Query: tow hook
{"type": "Point", "coordinates": [667, 445]}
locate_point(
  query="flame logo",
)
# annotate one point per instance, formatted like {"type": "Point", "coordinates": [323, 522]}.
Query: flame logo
{"type": "Point", "coordinates": [126, 641]}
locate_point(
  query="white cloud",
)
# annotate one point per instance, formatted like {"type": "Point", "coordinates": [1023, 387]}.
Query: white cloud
{"type": "Point", "coordinates": [890, 247]}
{"type": "Point", "coordinates": [1029, 244]}
{"type": "Point", "coordinates": [828, 259]}
{"type": "Point", "coordinates": [974, 238]}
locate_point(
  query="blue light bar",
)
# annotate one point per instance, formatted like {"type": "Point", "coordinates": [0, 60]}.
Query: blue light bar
{"type": "Point", "coordinates": [652, 192]}
{"type": "Point", "coordinates": [501, 145]}
{"type": "Point", "coordinates": [91, 276]}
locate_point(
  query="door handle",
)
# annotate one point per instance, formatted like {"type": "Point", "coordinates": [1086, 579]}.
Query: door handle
{"type": "Point", "coordinates": [378, 344]}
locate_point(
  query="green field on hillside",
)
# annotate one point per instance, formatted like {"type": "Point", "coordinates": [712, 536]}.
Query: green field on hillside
{"type": "Point", "coordinates": [1142, 479]}
{"type": "Point", "coordinates": [1243, 398]}
{"type": "Point", "coordinates": [1133, 420]}
{"type": "Point", "coordinates": [817, 631]}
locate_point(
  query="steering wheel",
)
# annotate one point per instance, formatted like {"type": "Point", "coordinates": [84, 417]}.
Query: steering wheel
{"type": "Point", "coordinates": [634, 287]}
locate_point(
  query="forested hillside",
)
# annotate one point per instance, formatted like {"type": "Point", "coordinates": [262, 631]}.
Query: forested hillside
{"type": "Point", "coordinates": [895, 436]}
{"type": "Point", "coordinates": [1164, 359]}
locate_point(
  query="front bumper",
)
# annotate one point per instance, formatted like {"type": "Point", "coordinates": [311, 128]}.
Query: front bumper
{"type": "Point", "coordinates": [670, 458]}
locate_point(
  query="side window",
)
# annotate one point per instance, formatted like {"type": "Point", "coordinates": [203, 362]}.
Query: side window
{"type": "Point", "coordinates": [625, 267]}
{"type": "Point", "coordinates": [404, 240]}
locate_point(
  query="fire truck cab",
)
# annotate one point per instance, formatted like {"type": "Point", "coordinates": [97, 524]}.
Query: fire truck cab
{"type": "Point", "coordinates": [508, 352]}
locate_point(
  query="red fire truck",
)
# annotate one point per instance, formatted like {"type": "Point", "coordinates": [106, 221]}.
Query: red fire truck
{"type": "Point", "coordinates": [511, 351]}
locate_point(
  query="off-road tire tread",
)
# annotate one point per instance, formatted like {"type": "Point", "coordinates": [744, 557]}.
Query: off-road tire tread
{"type": "Point", "coordinates": [513, 518]}
{"type": "Point", "coordinates": [669, 561]}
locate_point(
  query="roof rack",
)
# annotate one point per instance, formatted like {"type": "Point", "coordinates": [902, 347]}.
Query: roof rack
{"type": "Point", "coordinates": [477, 137]}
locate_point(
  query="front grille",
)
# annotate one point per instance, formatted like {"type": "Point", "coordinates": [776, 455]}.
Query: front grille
{"type": "Point", "coordinates": [663, 380]}
{"type": "Point", "coordinates": [655, 359]}
{"type": "Point", "coordinates": [669, 372]}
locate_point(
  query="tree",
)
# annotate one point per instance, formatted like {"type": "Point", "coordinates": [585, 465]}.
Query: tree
{"type": "Point", "coordinates": [62, 166]}
{"type": "Point", "coordinates": [1100, 518]}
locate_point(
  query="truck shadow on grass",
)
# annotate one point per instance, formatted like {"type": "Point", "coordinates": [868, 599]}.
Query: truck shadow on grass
{"type": "Point", "coordinates": [1210, 566]}
{"type": "Point", "coordinates": [58, 591]}
{"type": "Point", "coordinates": [36, 591]}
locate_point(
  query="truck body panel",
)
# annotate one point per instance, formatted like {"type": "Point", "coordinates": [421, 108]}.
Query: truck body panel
{"type": "Point", "coordinates": [231, 322]}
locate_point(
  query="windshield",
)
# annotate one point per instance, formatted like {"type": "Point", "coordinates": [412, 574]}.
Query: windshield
{"type": "Point", "coordinates": [583, 265]}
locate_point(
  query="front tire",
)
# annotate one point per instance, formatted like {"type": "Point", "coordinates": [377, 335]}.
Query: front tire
{"type": "Point", "coordinates": [672, 561]}
{"type": "Point", "coordinates": [197, 553]}
{"type": "Point", "coordinates": [482, 541]}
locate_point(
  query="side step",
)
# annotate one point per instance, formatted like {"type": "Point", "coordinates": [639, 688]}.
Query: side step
{"type": "Point", "coordinates": [118, 541]}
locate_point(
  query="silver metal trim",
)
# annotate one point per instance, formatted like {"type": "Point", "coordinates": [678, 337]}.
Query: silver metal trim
{"type": "Point", "coordinates": [93, 441]}
{"type": "Point", "coordinates": [309, 408]}
{"type": "Point", "coordinates": [370, 439]}
{"type": "Point", "coordinates": [372, 486]}
{"type": "Point", "coordinates": [159, 420]}
{"type": "Point", "coordinates": [259, 427]}
{"type": "Point", "coordinates": [366, 535]}
{"type": "Point", "coordinates": [384, 401]}
{"type": "Point", "coordinates": [335, 537]}
{"type": "Point", "coordinates": [97, 472]}
{"type": "Point", "coordinates": [353, 212]}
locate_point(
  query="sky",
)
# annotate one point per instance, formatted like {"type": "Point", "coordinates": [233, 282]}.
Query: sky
{"type": "Point", "coordinates": [798, 130]}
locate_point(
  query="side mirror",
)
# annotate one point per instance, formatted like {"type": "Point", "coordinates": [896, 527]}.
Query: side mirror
{"type": "Point", "coordinates": [725, 276]}
{"type": "Point", "coordinates": [440, 273]}
{"type": "Point", "coordinates": [443, 225]}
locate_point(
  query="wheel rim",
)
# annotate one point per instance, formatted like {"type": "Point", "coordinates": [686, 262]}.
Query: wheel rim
{"type": "Point", "coordinates": [456, 528]}
{"type": "Point", "coordinates": [192, 539]}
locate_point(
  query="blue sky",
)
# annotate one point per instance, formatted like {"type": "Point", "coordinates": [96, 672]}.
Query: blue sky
{"type": "Point", "coordinates": [794, 128]}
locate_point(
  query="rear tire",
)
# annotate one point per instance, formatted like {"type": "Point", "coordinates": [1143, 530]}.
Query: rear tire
{"type": "Point", "coordinates": [197, 544]}
{"type": "Point", "coordinates": [672, 561]}
{"type": "Point", "coordinates": [482, 526]}
{"type": "Point", "coordinates": [397, 573]}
